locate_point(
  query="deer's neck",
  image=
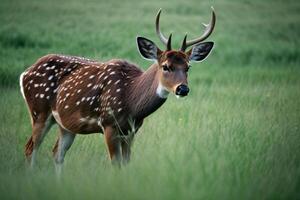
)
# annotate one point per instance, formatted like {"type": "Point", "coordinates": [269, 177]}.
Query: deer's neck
{"type": "Point", "coordinates": [143, 96]}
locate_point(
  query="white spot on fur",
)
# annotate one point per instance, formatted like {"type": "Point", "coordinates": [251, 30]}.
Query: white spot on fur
{"type": "Point", "coordinates": [83, 119]}
{"type": "Point", "coordinates": [92, 121]}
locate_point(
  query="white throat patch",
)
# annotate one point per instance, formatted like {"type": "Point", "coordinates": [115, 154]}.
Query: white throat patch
{"type": "Point", "coordinates": [162, 92]}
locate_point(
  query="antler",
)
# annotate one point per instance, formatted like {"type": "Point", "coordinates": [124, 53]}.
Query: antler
{"type": "Point", "coordinates": [208, 30]}
{"type": "Point", "coordinates": [163, 39]}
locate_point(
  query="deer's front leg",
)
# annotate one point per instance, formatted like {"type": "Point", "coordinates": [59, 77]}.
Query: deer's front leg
{"type": "Point", "coordinates": [126, 148]}
{"type": "Point", "coordinates": [113, 144]}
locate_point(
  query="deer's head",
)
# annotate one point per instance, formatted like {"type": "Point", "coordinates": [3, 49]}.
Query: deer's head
{"type": "Point", "coordinates": [174, 64]}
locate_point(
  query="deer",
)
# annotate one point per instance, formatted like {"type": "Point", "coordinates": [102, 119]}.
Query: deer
{"type": "Point", "coordinates": [85, 96]}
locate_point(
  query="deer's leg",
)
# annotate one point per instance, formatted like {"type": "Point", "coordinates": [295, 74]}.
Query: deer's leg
{"type": "Point", "coordinates": [113, 144]}
{"type": "Point", "coordinates": [126, 148]}
{"type": "Point", "coordinates": [61, 147]}
{"type": "Point", "coordinates": [40, 127]}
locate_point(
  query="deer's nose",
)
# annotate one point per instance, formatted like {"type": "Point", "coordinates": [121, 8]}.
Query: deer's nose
{"type": "Point", "coordinates": [182, 90]}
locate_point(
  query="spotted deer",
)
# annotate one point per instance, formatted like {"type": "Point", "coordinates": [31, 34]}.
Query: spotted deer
{"type": "Point", "coordinates": [84, 96]}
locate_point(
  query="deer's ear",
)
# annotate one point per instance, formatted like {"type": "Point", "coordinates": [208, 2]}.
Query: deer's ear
{"type": "Point", "coordinates": [147, 48]}
{"type": "Point", "coordinates": [200, 51]}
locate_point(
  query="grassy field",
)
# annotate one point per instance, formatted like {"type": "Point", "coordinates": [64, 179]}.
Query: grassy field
{"type": "Point", "coordinates": [236, 136]}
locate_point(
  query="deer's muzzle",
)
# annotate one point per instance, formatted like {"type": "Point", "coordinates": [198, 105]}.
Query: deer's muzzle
{"type": "Point", "coordinates": [182, 90]}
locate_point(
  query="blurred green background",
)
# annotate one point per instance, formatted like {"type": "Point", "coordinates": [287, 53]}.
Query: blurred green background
{"type": "Point", "coordinates": [236, 136]}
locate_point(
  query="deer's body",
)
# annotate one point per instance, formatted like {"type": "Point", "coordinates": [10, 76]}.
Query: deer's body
{"type": "Point", "coordinates": [84, 96]}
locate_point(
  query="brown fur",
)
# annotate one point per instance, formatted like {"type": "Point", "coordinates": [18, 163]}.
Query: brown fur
{"type": "Point", "coordinates": [29, 147]}
{"type": "Point", "coordinates": [85, 96]}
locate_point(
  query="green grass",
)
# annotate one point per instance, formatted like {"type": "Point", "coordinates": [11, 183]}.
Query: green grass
{"type": "Point", "coordinates": [236, 136]}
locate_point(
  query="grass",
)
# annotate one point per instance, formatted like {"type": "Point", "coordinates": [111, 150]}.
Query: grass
{"type": "Point", "coordinates": [236, 136]}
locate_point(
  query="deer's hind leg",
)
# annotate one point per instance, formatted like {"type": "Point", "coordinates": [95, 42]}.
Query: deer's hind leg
{"type": "Point", "coordinates": [41, 124]}
{"type": "Point", "coordinates": [61, 147]}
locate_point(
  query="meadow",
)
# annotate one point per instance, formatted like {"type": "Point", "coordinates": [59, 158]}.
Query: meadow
{"type": "Point", "coordinates": [236, 136]}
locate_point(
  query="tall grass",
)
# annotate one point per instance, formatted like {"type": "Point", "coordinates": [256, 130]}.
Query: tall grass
{"type": "Point", "coordinates": [236, 136]}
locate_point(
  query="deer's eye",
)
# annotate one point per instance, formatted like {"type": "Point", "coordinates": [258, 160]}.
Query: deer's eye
{"type": "Point", "coordinates": [166, 68]}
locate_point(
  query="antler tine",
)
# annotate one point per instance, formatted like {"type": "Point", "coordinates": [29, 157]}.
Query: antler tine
{"type": "Point", "coordinates": [183, 46]}
{"type": "Point", "coordinates": [208, 30]}
{"type": "Point", "coordinates": [169, 44]}
{"type": "Point", "coordinates": [163, 39]}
